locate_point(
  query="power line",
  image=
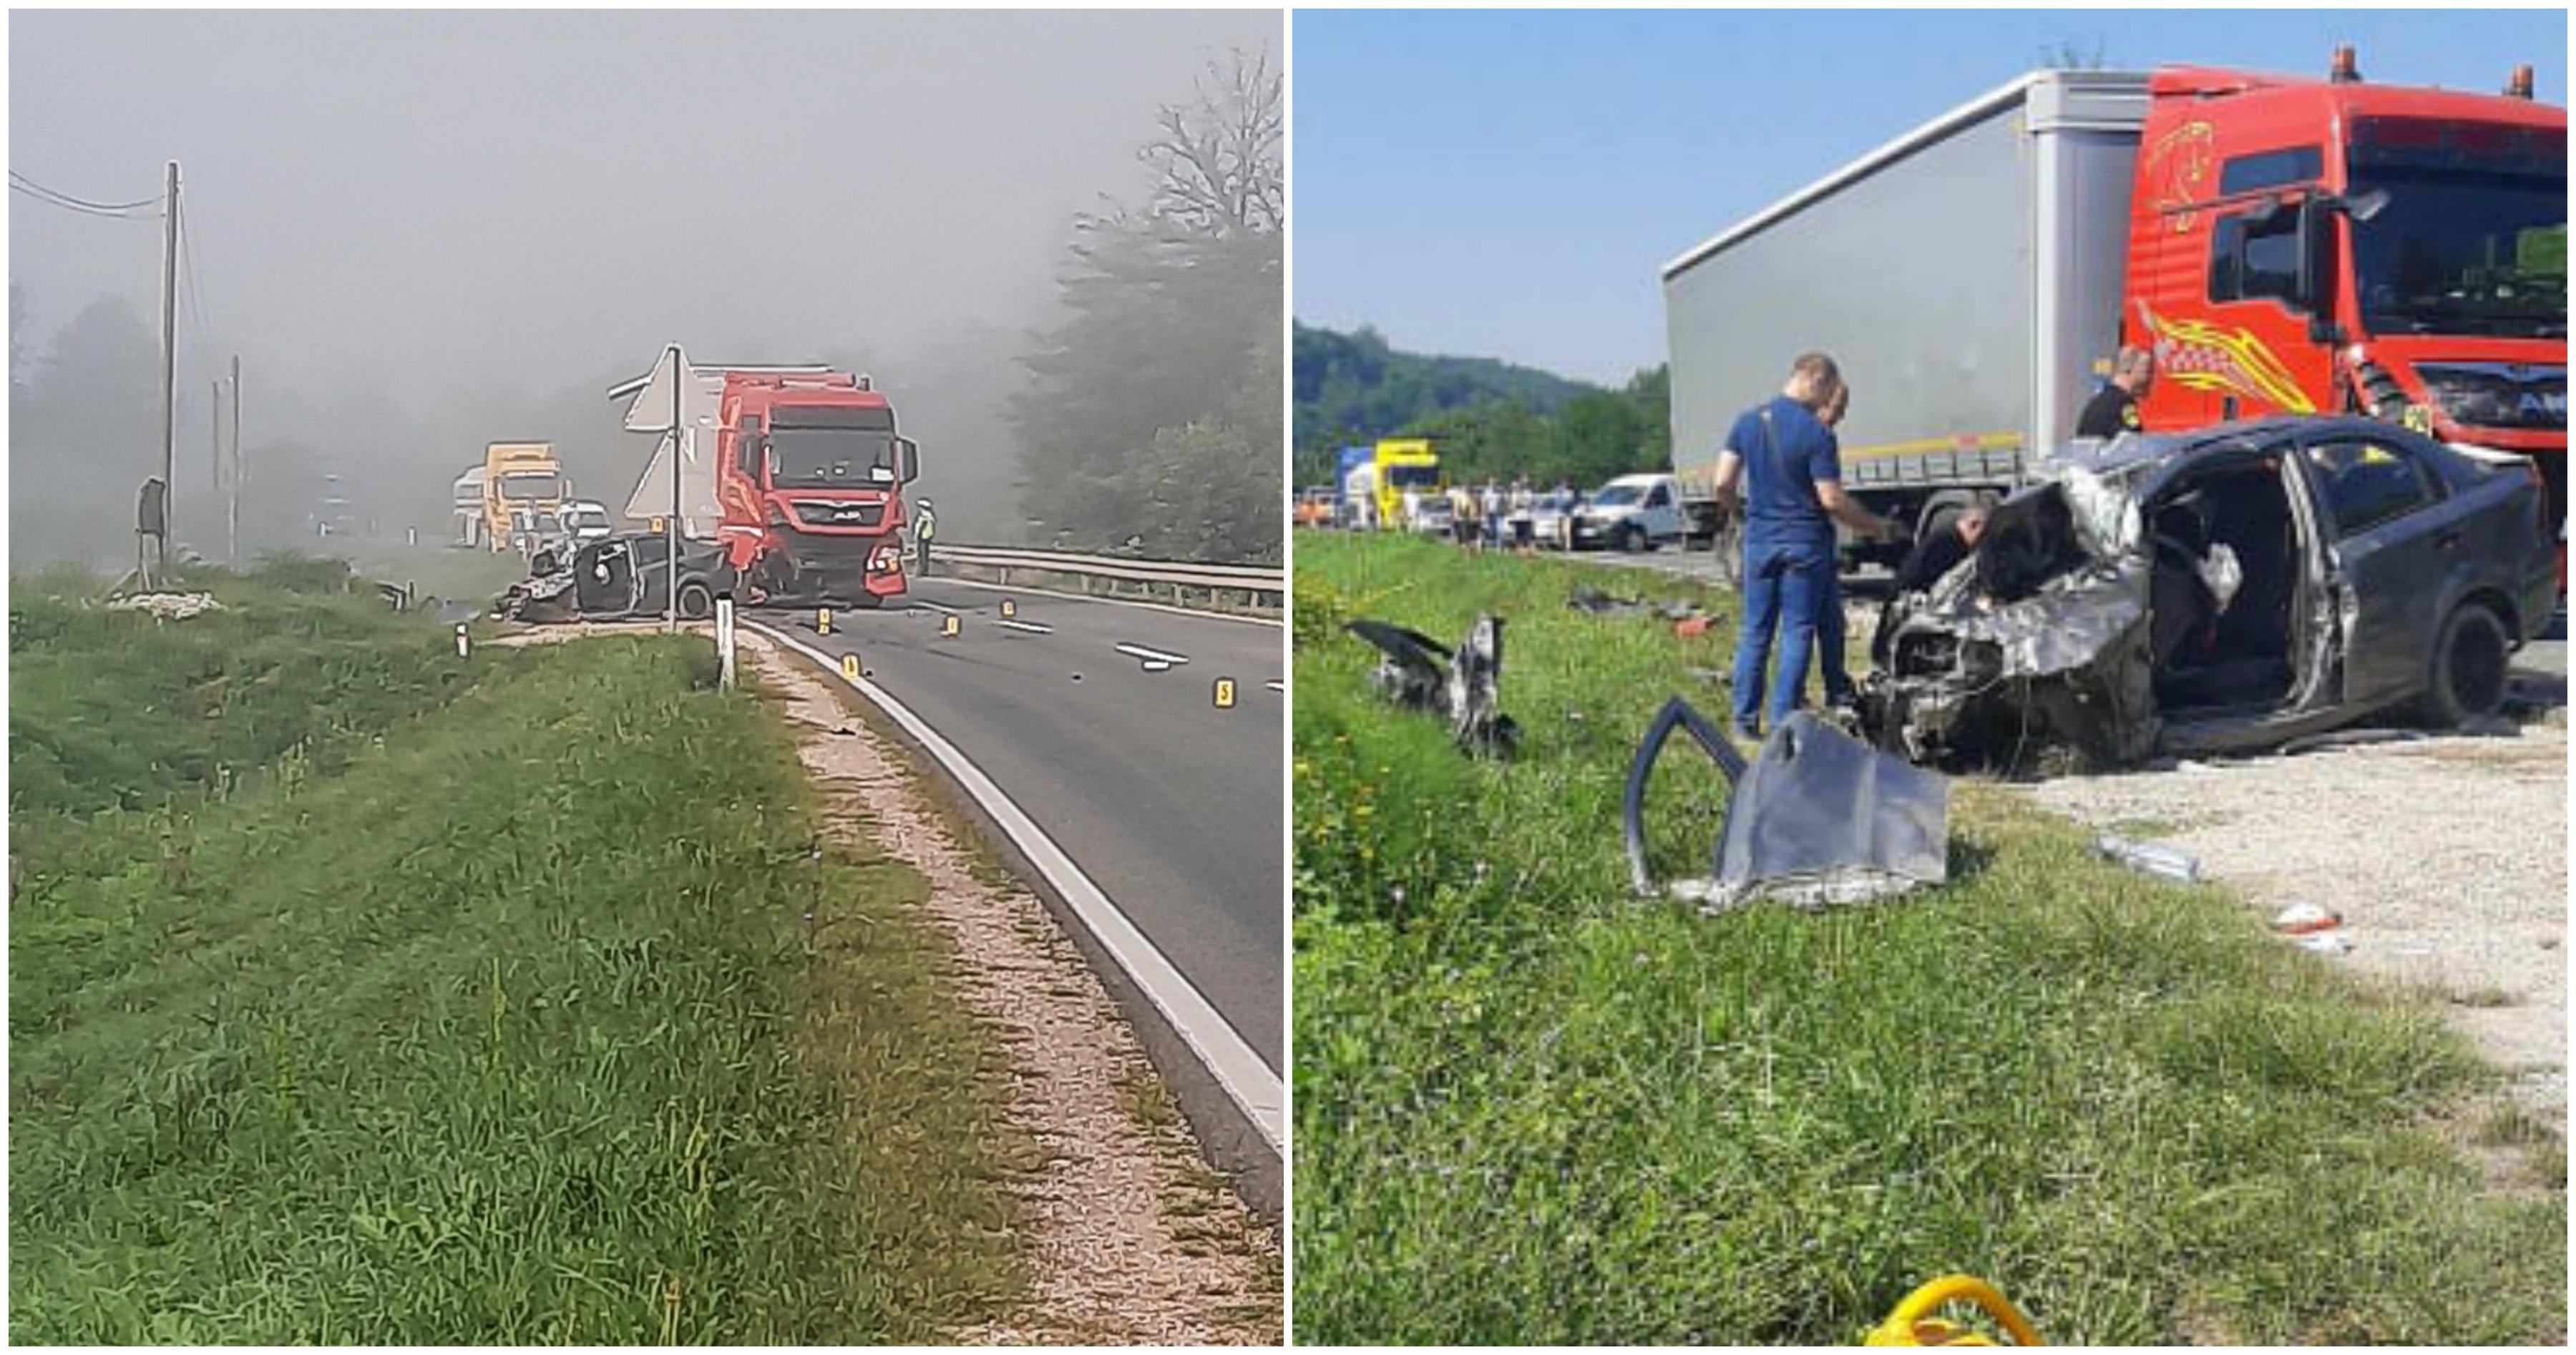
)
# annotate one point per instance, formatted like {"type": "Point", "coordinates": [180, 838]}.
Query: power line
{"type": "Point", "coordinates": [62, 199]}
{"type": "Point", "coordinates": [85, 211]}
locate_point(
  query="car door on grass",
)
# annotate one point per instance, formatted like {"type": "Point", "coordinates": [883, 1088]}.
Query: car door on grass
{"type": "Point", "coordinates": [2394, 538]}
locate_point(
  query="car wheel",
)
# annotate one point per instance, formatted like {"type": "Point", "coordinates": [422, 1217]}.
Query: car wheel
{"type": "Point", "coordinates": [2470, 655]}
{"type": "Point", "coordinates": [696, 603]}
{"type": "Point", "coordinates": [1632, 538]}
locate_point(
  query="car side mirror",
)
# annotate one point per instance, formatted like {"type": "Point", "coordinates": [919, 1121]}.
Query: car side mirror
{"type": "Point", "coordinates": [907, 460]}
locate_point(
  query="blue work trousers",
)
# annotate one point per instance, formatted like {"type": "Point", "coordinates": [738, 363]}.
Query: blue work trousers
{"type": "Point", "coordinates": [1792, 587]}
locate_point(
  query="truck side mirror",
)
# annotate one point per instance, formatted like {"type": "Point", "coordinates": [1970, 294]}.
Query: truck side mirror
{"type": "Point", "coordinates": [907, 460]}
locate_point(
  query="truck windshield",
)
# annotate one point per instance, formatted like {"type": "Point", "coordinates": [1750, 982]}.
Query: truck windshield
{"type": "Point", "coordinates": [1413, 477]}
{"type": "Point", "coordinates": [524, 486]}
{"type": "Point", "coordinates": [2463, 251]}
{"type": "Point", "coordinates": [830, 458]}
{"type": "Point", "coordinates": [1617, 496]}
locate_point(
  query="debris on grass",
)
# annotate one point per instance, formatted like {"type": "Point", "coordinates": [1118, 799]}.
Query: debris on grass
{"type": "Point", "coordinates": [167, 606]}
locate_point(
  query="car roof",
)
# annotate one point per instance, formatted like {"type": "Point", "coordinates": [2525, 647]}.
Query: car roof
{"type": "Point", "coordinates": [2134, 449]}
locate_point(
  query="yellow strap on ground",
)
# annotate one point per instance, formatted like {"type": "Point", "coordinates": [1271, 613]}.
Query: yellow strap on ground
{"type": "Point", "coordinates": [1914, 1324]}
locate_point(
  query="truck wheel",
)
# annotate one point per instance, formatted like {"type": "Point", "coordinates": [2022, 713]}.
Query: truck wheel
{"type": "Point", "coordinates": [2467, 682]}
{"type": "Point", "coordinates": [1632, 538]}
{"type": "Point", "coordinates": [696, 603]}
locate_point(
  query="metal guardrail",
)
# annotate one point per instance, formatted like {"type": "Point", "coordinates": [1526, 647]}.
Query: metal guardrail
{"type": "Point", "coordinates": [1261, 585]}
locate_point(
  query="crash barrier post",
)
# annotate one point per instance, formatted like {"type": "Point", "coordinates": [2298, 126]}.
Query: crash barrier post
{"type": "Point", "coordinates": [1913, 1322]}
{"type": "Point", "coordinates": [724, 640]}
{"type": "Point", "coordinates": [461, 643]}
{"type": "Point", "coordinates": [1259, 584]}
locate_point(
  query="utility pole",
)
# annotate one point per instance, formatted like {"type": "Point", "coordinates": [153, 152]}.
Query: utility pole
{"type": "Point", "coordinates": [671, 572]}
{"type": "Point", "coordinates": [215, 438]}
{"type": "Point", "coordinates": [232, 502]}
{"type": "Point", "coordinates": [169, 341]}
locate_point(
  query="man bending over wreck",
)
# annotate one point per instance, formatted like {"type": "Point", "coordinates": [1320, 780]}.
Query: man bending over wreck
{"type": "Point", "coordinates": [1790, 469]}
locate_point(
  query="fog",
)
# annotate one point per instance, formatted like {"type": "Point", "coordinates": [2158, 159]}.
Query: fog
{"type": "Point", "coordinates": [423, 232]}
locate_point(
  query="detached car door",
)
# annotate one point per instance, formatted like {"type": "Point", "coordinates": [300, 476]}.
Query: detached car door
{"type": "Point", "coordinates": [2393, 539]}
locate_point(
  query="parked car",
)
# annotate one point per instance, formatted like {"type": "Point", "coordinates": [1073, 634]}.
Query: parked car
{"type": "Point", "coordinates": [2220, 590]}
{"type": "Point", "coordinates": [1315, 506]}
{"type": "Point", "coordinates": [1550, 519]}
{"type": "Point", "coordinates": [1633, 513]}
{"type": "Point", "coordinates": [1432, 518]}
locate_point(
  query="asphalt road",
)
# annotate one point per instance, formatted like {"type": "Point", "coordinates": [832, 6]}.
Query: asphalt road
{"type": "Point", "coordinates": [1170, 804]}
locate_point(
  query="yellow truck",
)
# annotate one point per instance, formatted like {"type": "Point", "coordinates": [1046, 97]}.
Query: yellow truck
{"type": "Point", "coordinates": [523, 486]}
{"type": "Point", "coordinates": [1402, 464]}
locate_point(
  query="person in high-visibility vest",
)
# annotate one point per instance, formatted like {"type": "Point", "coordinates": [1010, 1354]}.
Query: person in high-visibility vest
{"type": "Point", "coordinates": [924, 527]}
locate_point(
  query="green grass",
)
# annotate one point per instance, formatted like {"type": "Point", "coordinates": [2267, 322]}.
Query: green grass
{"type": "Point", "coordinates": [359, 994]}
{"type": "Point", "coordinates": [1531, 1108]}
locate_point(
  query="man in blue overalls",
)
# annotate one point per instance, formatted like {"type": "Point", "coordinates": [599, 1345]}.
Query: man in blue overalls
{"type": "Point", "coordinates": [1790, 470]}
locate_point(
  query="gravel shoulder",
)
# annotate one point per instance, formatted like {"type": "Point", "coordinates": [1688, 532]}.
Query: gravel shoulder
{"type": "Point", "coordinates": [2446, 857]}
{"type": "Point", "coordinates": [1129, 1238]}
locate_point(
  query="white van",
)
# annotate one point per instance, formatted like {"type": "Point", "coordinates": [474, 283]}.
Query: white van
{"type": "Point", "coordinates": [1633, 513]}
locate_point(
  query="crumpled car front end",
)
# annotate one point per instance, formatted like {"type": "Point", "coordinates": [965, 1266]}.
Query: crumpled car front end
{"type": "Point", "coordinates": [2039, 638]}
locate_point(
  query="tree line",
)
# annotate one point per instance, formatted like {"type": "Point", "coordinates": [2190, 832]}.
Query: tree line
{"type": "Point", "coordinates": [1150, 424]}
{"type": "Point", "coordinates": [1488, 419]}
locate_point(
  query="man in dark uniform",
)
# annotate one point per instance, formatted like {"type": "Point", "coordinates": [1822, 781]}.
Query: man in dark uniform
{"type": "Point", "coordinates": [2114, 409]}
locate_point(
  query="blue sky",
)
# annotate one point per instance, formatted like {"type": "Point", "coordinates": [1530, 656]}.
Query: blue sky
{"type": "Point", "coordinates": [1508, 183]}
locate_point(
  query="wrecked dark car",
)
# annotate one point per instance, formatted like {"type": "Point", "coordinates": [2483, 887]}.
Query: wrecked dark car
{"type": "Point", "coordinates": [619, 577]}
{"type": "Point", "coordinates": [2222, 591]}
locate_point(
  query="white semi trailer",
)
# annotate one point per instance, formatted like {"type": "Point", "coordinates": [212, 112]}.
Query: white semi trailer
{"type": "Point", "coordinates": [1966, 277]}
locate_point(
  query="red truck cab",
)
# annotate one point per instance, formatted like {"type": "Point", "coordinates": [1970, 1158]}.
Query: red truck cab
{"type": "Point", "coordinates": [809, 477]}
{"type": "Point", "coordinates": [2329, 246]}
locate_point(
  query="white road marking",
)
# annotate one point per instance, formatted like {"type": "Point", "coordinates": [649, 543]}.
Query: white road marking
{"type": "Point", "coordinates": [1023, 590]}
{"type": "Point", "coordinates": [1247, 1081]}
{"type": "Point", "coordinates": [1031, 627]}
{"type": "Point", "coordinates": [1150, 657]}
{"type": "Point", "coordinates": [1276, 685]}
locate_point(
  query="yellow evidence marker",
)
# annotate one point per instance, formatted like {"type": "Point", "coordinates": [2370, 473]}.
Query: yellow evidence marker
{"type": "Point", "coordinates": [1010, 609]}
{"type": "Point", "coordinates": [822, 621]}
{"type": "Point", "coordinates": [1225, 693]}
{"type": "Point", "coordinates": [850, 667]}
{"type": "Point", "coordinates": [948, 624]}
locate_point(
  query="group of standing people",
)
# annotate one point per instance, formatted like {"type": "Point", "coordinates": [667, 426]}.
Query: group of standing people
{"type": "Point", "coordinates": [1491, 514]}
{"type": "Point", "coordinates": [1780, 474]}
